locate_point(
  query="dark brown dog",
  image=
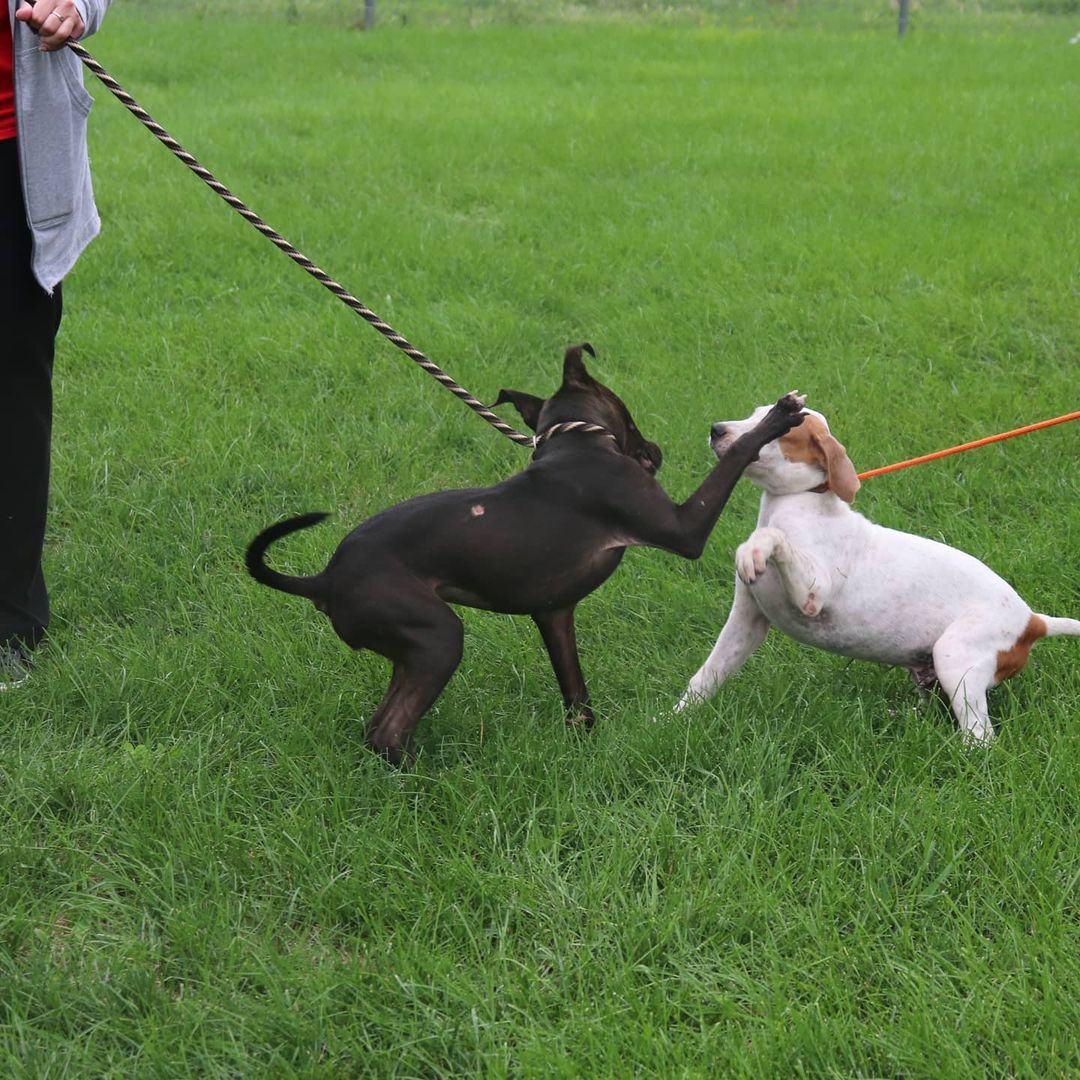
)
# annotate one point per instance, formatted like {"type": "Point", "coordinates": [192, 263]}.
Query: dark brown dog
{"type": "Point", "coordinates": [533, 545]}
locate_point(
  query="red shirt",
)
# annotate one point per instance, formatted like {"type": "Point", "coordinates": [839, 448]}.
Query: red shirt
{"type": "Point", "coordinates": [7, 85]}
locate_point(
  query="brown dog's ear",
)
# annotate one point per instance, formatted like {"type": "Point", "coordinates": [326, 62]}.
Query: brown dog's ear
{"type": "Point", "coordinates": [527, 404]}
{"type": "Point", "coordinates": [574, 373]}
{"type": "Point", "coordinates": [840, 473]}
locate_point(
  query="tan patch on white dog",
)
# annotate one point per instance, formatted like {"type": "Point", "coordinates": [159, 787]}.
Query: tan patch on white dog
{"type": "Point", "coordinates": [1012, 661]}
{"type": "Point", "coordinates": [813, 444]}
{"type": "Point", "coordinates": [802, 445]}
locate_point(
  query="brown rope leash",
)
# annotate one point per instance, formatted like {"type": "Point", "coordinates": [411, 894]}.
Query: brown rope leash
{"type": "Point", "coordinates": [297, 257]}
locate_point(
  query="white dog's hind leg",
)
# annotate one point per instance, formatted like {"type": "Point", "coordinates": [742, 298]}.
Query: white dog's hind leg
{"type": "Point", "coordinates": [965, 670]}
{"type": "Point", "coordinates": [746, 628]}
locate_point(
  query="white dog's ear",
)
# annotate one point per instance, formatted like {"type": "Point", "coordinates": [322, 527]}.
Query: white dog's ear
{"type": "Point", "coordinates": [840, 472]}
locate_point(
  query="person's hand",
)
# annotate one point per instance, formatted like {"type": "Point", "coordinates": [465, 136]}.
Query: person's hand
{"type": "Point", "coordinates": [56, 21]}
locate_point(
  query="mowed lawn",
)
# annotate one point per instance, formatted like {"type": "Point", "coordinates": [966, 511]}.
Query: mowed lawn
{"type": "Point", "coordinates": [204, 872]}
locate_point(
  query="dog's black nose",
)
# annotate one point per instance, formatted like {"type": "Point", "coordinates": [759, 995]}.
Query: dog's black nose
{"type": "Point", "coordinates": [718, 429]}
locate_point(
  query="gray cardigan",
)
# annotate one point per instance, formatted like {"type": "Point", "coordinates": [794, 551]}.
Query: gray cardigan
{"type": "Point", "coordinates": [51, 107]}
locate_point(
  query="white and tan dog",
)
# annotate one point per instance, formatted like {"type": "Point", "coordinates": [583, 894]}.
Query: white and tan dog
{"type": "Point", "coordinates": [827, 576]}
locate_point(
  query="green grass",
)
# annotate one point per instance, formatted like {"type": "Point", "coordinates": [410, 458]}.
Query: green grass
{"type": "Point", "coordinates": [204, 874]}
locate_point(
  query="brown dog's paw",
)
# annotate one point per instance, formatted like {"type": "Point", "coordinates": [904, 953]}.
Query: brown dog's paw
{"type": "Point", "coordinates": [580, 718]}
{"type": "Point", "coordinates": [784, 415]}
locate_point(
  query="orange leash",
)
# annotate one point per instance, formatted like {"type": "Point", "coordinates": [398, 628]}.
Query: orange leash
{"type": "Point", "coordinates": [968, 446]}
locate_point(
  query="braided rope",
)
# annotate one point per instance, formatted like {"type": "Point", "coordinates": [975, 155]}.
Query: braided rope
{"type": "Point", "coordinates": [297, 257]}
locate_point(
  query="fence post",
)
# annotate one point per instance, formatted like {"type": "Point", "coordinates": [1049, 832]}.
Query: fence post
{"type": "Point", "coordinates": [369, 14]}
{"type": "Point", "coordinates": [903, 18]}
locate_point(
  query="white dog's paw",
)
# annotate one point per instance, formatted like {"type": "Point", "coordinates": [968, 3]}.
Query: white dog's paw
{"type": "Point", "coordinates": [753, 555]}
{"type": "Point", "coordinates": [978, 735]}
{"type": "Point", "coordinates": [749, 563]}
{"type": "Point", "coordinates": [698, 691]}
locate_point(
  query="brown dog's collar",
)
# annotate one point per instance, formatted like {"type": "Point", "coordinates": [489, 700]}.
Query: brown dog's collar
{"type": "Point", "coordinates": [572, 425]}
{"type": "Point", "coordinates": [821, 488]}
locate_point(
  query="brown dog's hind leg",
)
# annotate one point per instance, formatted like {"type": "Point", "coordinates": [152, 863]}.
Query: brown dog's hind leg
{"type": "Point", "coordinates": [402, 618]}
{"type": "Point", "coordinates": [426, 654]}
{"type": "Point", "coordinates": [926, 682]}
{"type": "Point", "coordinates": [397, 679]}
{"type": "Point", "coordinates": [557, 630]}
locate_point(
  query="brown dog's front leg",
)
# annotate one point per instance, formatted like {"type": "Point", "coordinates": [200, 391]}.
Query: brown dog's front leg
{"type": "Point", "coordinates": [693, 521]}
{"type": "Point", "coordinates": [699, 513]}
{"type": "Point", "coordinates": [560, 639]}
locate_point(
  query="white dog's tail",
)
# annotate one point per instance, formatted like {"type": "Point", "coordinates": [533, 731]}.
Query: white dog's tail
{"type": "Point", "coordinates": [1061, 626]}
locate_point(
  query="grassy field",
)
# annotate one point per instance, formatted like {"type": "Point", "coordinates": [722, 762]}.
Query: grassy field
{"type": "Point", "coordinates": [204, 873]}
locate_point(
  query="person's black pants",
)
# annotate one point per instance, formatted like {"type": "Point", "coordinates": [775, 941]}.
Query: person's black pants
{"type": "Point", "coordinates": [29, 320]}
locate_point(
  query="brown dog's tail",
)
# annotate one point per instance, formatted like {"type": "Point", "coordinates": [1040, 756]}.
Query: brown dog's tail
{"type": "Point", "coordinates": [257, 568]}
